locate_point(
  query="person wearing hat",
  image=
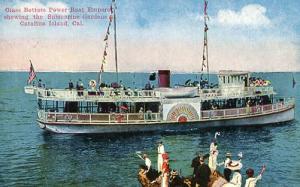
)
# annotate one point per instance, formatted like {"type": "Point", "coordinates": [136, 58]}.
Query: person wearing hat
{"type": "Point", "coordinates": [165, 169]}
{"type": "Point", "coordinates": [202, 173]}
{"type": "Point", "coordinates": [236, 180]}
{"type": "Point", "coordinates": [251, 181]}
{"type": "Point", "coordinates": [147, 162]}
{"type": "Point", "coordinates": [227, 162]}
{"type": "Point", "coordinates": [160, 151]}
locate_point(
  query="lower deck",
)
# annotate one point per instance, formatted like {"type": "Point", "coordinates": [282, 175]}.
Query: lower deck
{"type": "Point", "coordinates": [282, 115]}
{"type": "Point", "coordinates": [150, 121]}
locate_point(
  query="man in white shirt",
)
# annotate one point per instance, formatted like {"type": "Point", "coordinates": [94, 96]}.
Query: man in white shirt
{"type": "Point", "coordinates": [160, 151]}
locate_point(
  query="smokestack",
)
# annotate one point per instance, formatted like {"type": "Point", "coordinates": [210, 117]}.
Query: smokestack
{"type": "Point", "coordinates": [164, 78]}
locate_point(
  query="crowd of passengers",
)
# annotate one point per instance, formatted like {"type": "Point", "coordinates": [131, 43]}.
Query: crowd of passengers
{"type": "Point", "coordinates": [235, 103]}
{"type": "Point", "coordinates": [254, 81]}
{"type": "Point", "coordinates": [113, 88]}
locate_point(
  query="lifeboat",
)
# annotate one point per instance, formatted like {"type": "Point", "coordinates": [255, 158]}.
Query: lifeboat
{"type": "Point", "coordinates": [179, 92]}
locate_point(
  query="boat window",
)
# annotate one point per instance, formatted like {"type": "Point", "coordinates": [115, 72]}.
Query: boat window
{"type": "Point", "coordinates": [106, 107]}
{"type": "Point", "coordinates": [71, 107]}
{"type": "Point", "coordinates": [151, 106]}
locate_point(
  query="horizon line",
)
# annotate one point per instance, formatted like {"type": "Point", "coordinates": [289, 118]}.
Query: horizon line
{"type": "Point", "coordinates": [177, 72]}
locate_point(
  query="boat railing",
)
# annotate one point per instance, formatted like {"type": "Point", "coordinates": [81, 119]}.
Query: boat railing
{"type": "Point", "coordinates": [249, 111]}
{"type": "Point", "coordinates": [73, 94]}
{"type": "Point", "coordinates": [99, 118]}
{"type": "Point", "coordinates": [236, 91]}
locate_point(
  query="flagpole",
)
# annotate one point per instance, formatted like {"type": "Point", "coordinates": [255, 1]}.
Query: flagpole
{"type": "Point", "coordinates": [115, 37]}
{"type": "Point", "coordinates": [205, 44]}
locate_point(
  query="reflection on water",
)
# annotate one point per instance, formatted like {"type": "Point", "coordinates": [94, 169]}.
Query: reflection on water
{"type": "Point", "coordinates": [31, 157]}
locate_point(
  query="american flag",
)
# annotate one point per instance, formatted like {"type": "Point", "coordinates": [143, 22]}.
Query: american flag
{"type": "Point", "coordinates": [32, 74]}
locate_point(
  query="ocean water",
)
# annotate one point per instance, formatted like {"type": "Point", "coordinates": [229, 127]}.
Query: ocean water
{"type": "Point", "coordinates": [31, 157]}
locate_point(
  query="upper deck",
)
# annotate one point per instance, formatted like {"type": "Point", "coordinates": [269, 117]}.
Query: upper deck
{"type": "Point", "coordinates": [146, 95]}
{"type": "Point", "coordinates": [231, 84]}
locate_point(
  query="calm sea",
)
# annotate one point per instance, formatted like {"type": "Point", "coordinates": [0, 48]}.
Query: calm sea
{"type": "Point", "coordinates": [31, 157]}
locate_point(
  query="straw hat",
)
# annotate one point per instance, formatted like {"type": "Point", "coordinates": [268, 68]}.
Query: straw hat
{"type": "Point", "coordinates": [235, 165]}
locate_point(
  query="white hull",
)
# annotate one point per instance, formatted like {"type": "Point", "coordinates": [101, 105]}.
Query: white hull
{"type": "Point", "coordinates": [258, 120]}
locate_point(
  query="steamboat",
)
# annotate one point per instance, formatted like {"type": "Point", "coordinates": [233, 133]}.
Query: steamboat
{"type": "Point", "coordinates": [237, 100]}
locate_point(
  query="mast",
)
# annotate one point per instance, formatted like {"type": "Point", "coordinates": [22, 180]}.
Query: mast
{"type": "Point", "coordinates": [112, 16]}
{"type": "Point", "coordinates": [115, 38]}
{"type": "Point", "coordinates": [205, 44]}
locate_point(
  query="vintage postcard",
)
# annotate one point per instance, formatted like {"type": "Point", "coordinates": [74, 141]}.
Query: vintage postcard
{"type": "Point", "coordinates": [149, 93]}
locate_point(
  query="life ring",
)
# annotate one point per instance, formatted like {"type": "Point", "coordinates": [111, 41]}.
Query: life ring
{"type": "Point", "coordinates": [68, 117]}
{"type": "Point", "coordinates": [92, 83]}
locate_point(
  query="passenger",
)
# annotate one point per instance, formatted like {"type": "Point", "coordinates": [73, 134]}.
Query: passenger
{"type": "Point", "coordinates": [147, 163]}
{"type": "Point", "coordinates": [81, 88]}
{"type": "Point", "coordinates": [148, 86]}
{"type": "Point", "coordinates": [149, 114]}
{"type": "Point", "coordinates": [236, 180]}
{"type": "Point", "coordinates": [77, 85]}
{"type": "Point", "coordinates": [202, 173]}
{"type": "Point", "coordinates": [141, 113]}
{"type": "Point", "coordinates": [213, 155]}
{"type": "Point", "coordinates": [251, 181]}
{"type": "Point", "coordinates": [160, 152]}
{"type": "Point", "coordinates": [40, 83]}
{"type": "Point", "coordinates": [248, 107]}
{"type": "Point", "coordinates": [195, 164]}
{"type": "Point", "coordinates": [121, 86]}
{"type": "Point", "coordinates": [165, 170]}
{"type": "Point", "coordinates": [71, 86]}
{"type": "Point", "coordinates": [214, 107]}
{"type": "Point", "coordinates": [226, 163]}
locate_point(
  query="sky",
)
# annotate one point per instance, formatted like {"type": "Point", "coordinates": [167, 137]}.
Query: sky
{"type": "Point", "coordinates": [249, 35]}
